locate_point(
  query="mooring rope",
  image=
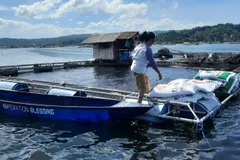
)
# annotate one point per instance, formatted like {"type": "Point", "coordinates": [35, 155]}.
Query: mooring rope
{"type": "Point", "coordinates": [205, 138]}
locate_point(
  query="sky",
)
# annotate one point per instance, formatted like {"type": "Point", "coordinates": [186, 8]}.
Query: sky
{"type": "Point", "coordinates": [53, 18]}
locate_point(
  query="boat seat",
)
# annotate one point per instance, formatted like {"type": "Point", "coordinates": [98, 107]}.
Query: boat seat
{"type": "Point", "coordinates": [14, 86]}
{"type": "Point", "coordinates": [65, 92]}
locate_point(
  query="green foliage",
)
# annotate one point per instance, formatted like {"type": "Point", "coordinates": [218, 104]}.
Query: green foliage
{"type": "Point", "coordinates": [207, 34]}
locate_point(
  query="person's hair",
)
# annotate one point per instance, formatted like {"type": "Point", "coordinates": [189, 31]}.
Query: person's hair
{"type": "Point", "coordinates": [146, 36]}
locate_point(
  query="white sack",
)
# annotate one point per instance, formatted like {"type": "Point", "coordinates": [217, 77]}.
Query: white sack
{"type": "Point", "coordinates": [184, 87]}
{"type": "Point", "coordinates": [194, 98]}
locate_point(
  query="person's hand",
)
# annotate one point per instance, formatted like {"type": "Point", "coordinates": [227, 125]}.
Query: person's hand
{"type": "Point", "coordinates": [159, 76]}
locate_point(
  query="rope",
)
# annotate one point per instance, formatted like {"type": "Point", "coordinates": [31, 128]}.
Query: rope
{"type": "Point", "coordinates": [204, 138]}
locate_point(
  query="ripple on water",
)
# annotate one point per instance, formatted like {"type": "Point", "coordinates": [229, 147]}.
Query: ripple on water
{"type": "Point", "coordinates": [35, 140]}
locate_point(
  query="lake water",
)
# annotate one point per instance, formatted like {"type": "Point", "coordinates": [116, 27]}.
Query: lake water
{"type": "Point", "coordinates": [44, 55]}
{"type": "Point", "coordinates": [202, 48]}
{"type": "Point", "coordinates": [27, 139]}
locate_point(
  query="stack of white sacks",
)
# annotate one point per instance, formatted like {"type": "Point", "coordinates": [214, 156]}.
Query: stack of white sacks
{"type": "Point", "coordinates": [200, 88]}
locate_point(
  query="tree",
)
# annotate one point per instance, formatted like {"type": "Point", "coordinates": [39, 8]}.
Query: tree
{"type": "Point", "coordinates": [218, 33]}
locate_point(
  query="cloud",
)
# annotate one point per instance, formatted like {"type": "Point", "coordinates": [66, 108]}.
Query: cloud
{"type": "Point", "coordinates": [95, 6]}
{"type": "Point", "coordinates": [140, 24]}
{"type": "Point", "coordinates": [80, 22]}
{"type": "Point", "coordinates": [131, 9]}
{"type": "Point", "coordinates": [170, 24]}
{"type": "Point", "coordinates": [49, 9]}
{"type": "Point", "coordinates": [3, 8]}
{"type": "Point", "coordinates": [20, 29]}
{"type": "Point", "coordinates": [175, 5]}
{"type": "Point", "coordinates": [79, 6]}
{"type": "Point", "coordinates": [37, 10]}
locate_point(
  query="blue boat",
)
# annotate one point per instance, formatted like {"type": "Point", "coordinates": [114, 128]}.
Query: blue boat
{"type": "Point", "coordinates": [17, 99]}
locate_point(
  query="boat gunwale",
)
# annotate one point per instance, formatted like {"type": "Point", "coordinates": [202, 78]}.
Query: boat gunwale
{"type": "Point", "coordinates": [55, 84]}
{"type": "Point", "coordinates": [73, 107]}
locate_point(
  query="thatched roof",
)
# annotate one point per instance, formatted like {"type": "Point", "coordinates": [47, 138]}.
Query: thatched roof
{"type": "Point", "coordinates": [109, 37]}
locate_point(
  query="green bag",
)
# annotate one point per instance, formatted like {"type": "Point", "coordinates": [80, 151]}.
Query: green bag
{"type": "Point", "coordinates": [229, 79]}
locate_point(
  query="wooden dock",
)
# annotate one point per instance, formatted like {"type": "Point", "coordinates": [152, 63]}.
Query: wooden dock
{"type": "Point", "coordinates": [14, 70]}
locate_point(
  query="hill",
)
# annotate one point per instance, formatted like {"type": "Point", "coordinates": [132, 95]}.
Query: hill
{"type": "Point", "coordinates": [158, 32]}
{"type": "Point", "coordinates": [58, 41]}
{"type": "Point", "coordinates": [207, 34]}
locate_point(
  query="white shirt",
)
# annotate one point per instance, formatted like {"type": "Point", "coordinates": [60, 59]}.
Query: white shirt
{"type": "Point", "coordinates": [140, 62]}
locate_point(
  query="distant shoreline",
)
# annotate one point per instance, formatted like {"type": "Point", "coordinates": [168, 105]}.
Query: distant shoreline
{"type": "Point", "coordinates": [90, 46]}
{"type": "Point", "coordinates": [198, 43]}
{"type": "Point", "coordinates": [52, 46]}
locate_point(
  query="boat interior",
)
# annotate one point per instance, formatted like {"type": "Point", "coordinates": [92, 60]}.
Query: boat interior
{"type": "Point", "coordinates": [37, 93]}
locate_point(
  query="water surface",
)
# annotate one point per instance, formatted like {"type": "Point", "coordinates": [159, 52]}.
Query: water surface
{"type": "Point", "coordinates": [19, 56]}
{"type": "Point", "coordinates": [43, 140]}
{"type": "Point", "coordinates": [133, 140]}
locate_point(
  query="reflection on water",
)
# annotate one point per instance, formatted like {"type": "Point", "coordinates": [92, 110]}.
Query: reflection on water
{"type": "Point", "coordinates": [69, 140]}
{"type": "Point", "coordinates": [24, 138]}
{"type": "Point", "coordinates": [43, 55]}
{"type": "Point", "coordinates": [68, 53]}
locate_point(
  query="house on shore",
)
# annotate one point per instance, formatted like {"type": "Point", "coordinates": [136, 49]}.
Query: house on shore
{"type": "Point", "coordinates": [113, 46]}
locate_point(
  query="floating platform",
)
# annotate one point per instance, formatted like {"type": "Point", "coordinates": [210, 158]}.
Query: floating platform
{"type": "Point", "coordinates": [14, 70]}
{"type": "Point", "coordinates": [9, 71]}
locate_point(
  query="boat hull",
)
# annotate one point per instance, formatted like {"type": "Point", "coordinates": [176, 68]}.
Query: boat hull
{"type": "Point", "coordinates": [72, 108]}
{"type": "Point", "coordinates": [80, 114]}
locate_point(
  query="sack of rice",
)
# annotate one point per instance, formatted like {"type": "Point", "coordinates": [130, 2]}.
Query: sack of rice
{"type": "Point", "coordinates": [184, 87]}
{"type": "Point", "coordinates": [236, 86]}
{"type": "Point", "coordinates": [191, 98]}
{"type": "Point", "coordinates": [214, 75]}
{"type": "Point", "coordinates": [194, 85]}
{"type": "Point", "coordinates": [230, 79]}
{"type": "Point", "coordinates": [164, 90]}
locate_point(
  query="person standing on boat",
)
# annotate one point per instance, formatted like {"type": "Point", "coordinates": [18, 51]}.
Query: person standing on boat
{"type": "Point", "coordinates": [141, 57]}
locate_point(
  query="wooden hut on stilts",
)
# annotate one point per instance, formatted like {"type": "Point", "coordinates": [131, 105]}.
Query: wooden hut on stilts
{"type": "Point", "coordinates": [113, 46]}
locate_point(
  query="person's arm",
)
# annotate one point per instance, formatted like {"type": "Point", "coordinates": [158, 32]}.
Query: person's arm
{"type": "Point", "coordinates": [151, 59]}
{"type": "Point", "coordinates": [152, 62]}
